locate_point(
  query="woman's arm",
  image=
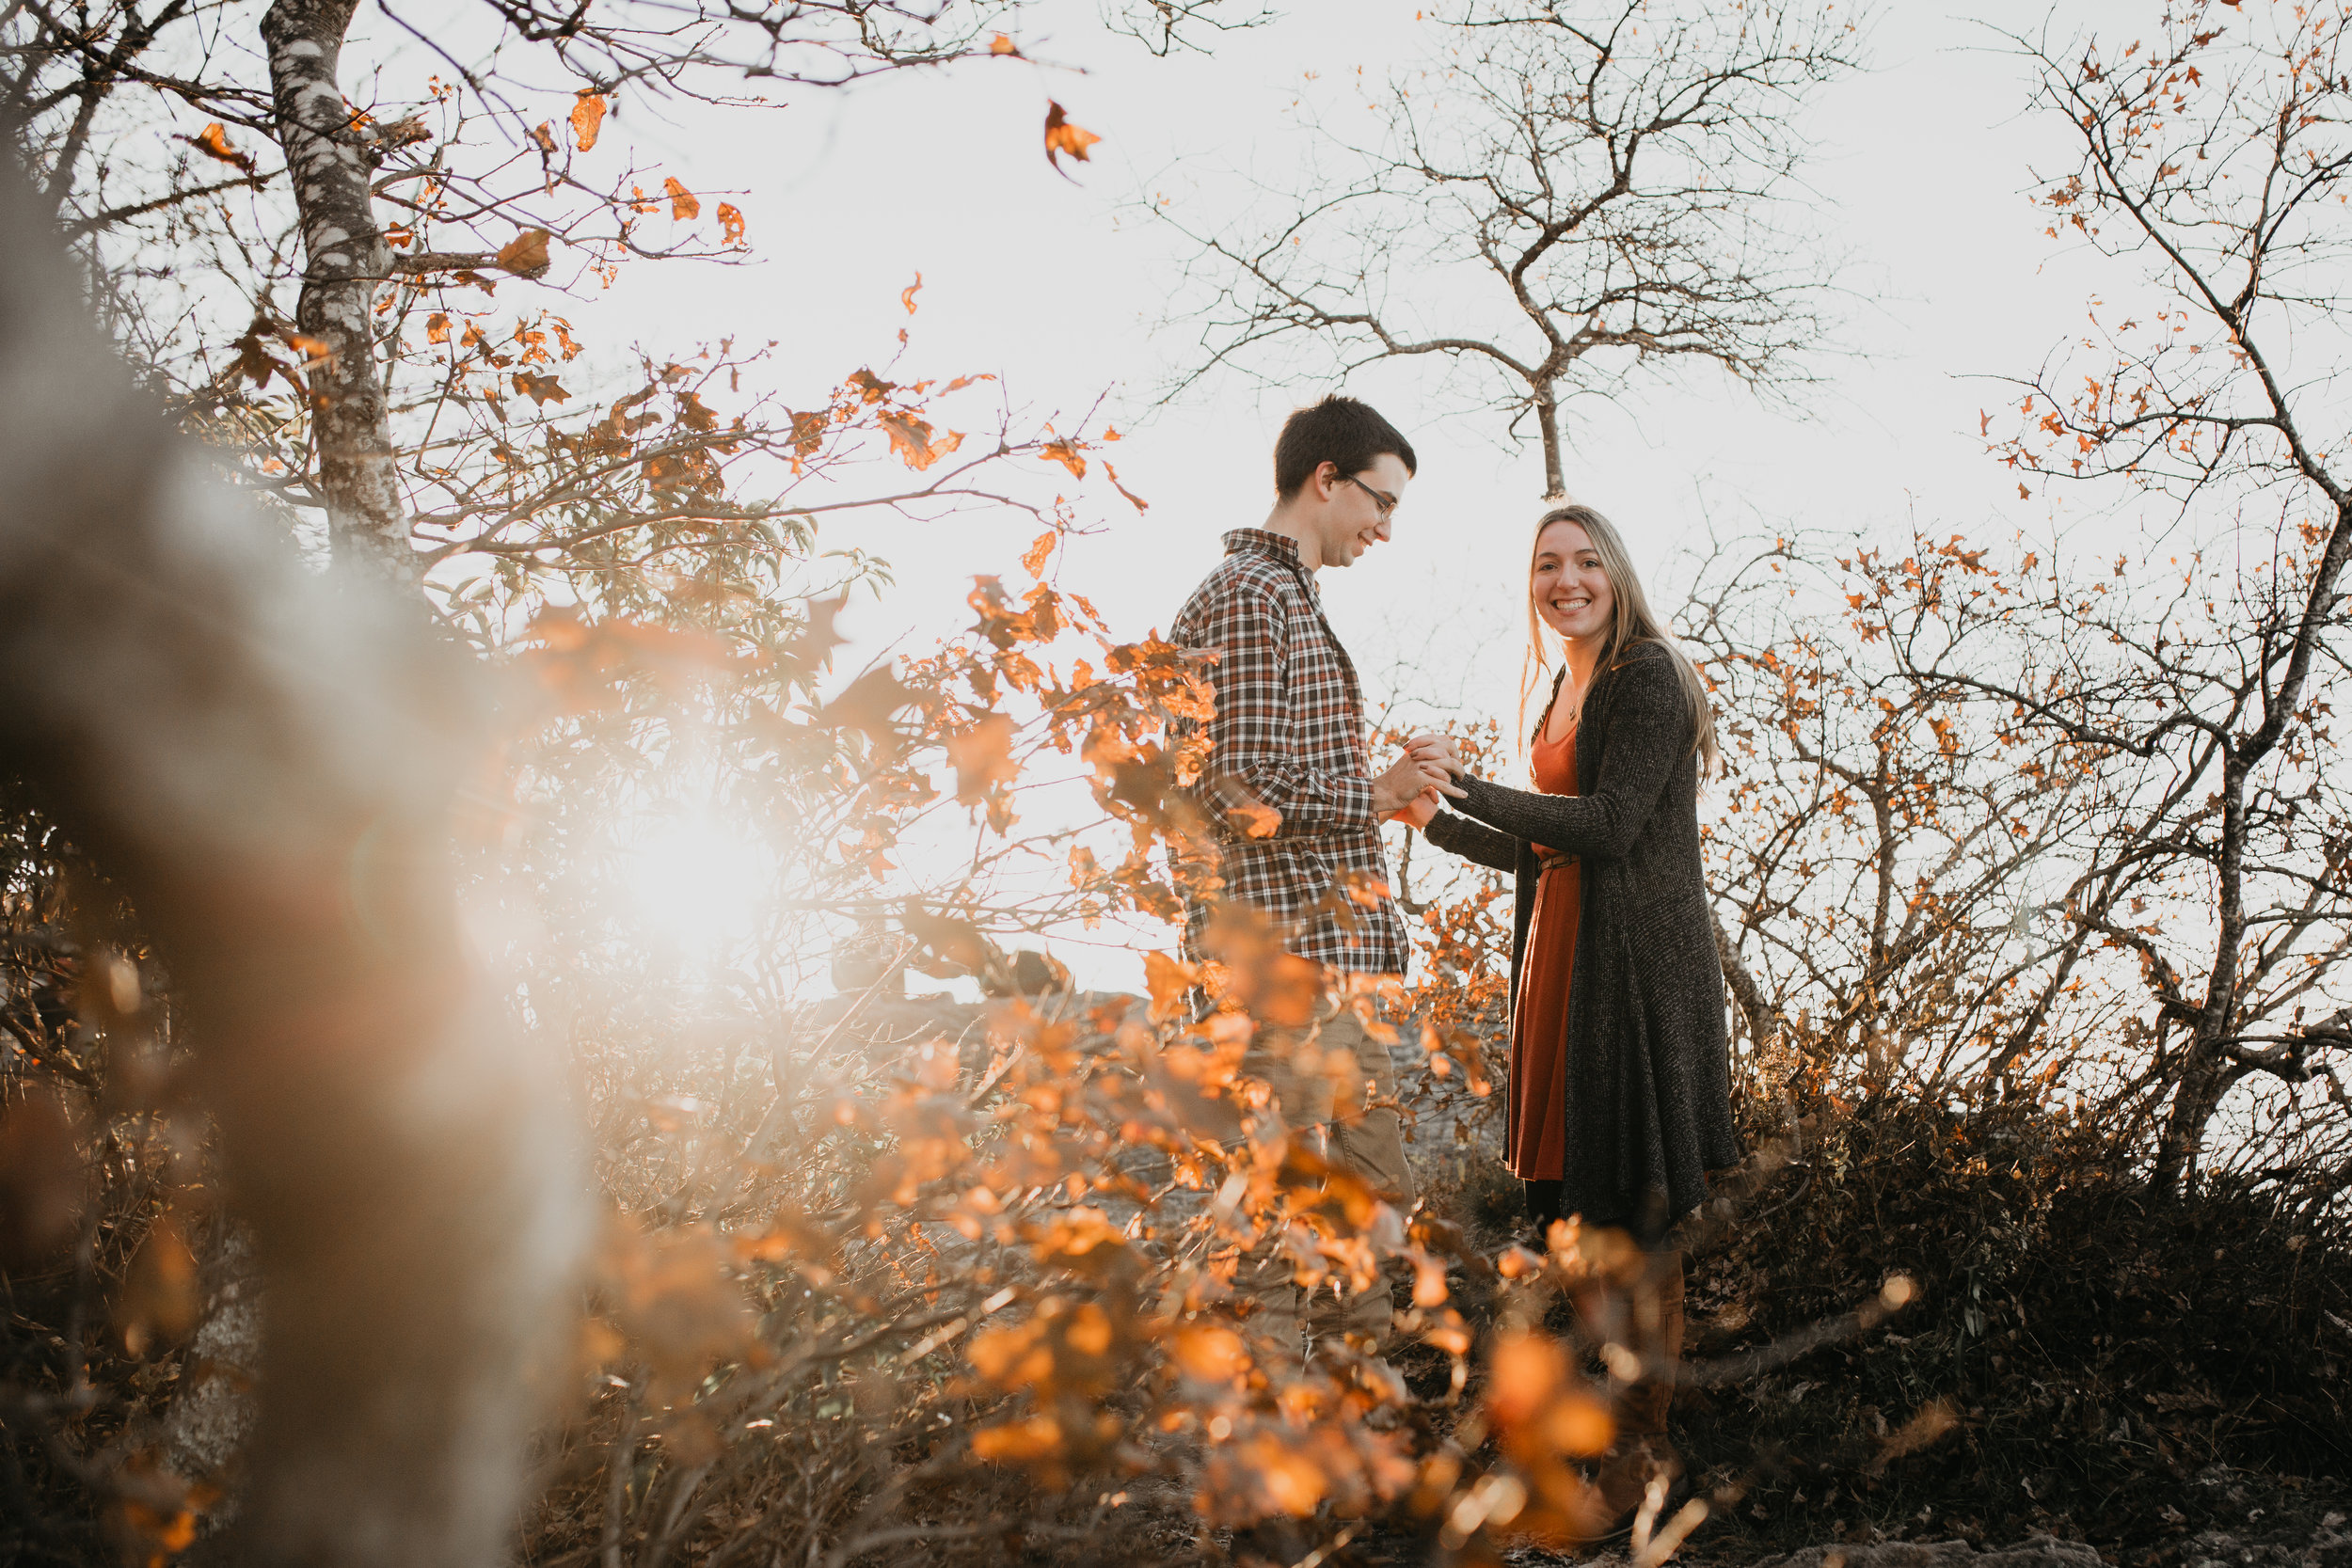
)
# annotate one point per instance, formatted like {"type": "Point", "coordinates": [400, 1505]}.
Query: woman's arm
{"type": "Point", "coordinates": [1474, 841]}
{"type": "Point", "coordinates": [1649, 736]}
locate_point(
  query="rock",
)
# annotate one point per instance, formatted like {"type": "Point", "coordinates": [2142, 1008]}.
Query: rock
{"type": "Point", "coordinates": [206, 1424]}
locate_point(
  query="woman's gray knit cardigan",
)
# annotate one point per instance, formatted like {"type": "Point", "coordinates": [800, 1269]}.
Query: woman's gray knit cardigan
{"type": "Point", "coordinates": [1648, 1082]}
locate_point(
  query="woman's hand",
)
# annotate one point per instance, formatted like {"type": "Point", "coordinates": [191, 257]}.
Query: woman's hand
{"type": "Point", "coordinates": [1422, 810]}
{"type": "Point", "coordinates": [1436, 750]}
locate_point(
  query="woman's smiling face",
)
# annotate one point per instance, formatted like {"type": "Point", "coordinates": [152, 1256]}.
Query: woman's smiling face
{"type": "Point", "coordinates": [1570, 589]}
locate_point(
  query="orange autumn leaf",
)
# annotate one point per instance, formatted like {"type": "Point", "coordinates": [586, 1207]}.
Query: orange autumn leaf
{"type": "Point", "coordinates": [213, 141]}
{"type": "Point", "coordinates": [543, 390]}
{"type": "Point", "coordinates": [912, 439]}
{"type": "Point", "coordinates": [1062, 137]}
{"type": "Point", "coordinates": [544, 133]}
{"type": "Point", "coordinates": [587, 118]}
{"type": "Point", "coordinates": [1168, 980]}
{"type": "Point", "coordinates": [982, 758]}
{"type": "Point", "coordinates": [1040, 548]}
{"type": "Point", "coordinates": [1003, 44]}
{"type": "Point", "coordinates": [906, 297]}
{"type": "Point", "coordinates": [1018, 1441]}
{"type": "Point", "coordinates": [1255, 818]}
{"type": "Point", "coordinates": [1210, 1353]}
{"type": "Point", "coordinates": [1063, 450]}
{"type": "Point", "coordinates": [685, 206]}
{"type": "Point", "coordinates": [437, 327]}
{"type": "Point", "coordinates": [1133, 499]}
{"type": "Point", "coordinates": [730, 225]}
{"type": "Point", "coordinates": [526, 254]}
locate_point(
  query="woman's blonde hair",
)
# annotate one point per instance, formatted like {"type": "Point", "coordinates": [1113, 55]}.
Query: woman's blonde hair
{"type": "Point", "coordinates": [1633, 625]}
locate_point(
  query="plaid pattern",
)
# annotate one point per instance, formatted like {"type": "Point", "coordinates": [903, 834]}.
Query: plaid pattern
{"type": "Point", "coordinates": [1287, 749]}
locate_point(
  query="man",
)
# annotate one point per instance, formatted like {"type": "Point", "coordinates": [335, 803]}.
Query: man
{"type": "Point", "coordinates": [1297, 808]}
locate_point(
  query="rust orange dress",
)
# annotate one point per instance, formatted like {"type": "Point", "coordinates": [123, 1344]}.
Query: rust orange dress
{"type": "Point", "coordinates": [1535, 1141]}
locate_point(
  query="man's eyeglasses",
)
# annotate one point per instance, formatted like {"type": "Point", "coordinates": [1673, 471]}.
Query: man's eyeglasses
{"type": "Point", "coordinates": [1381, 499]}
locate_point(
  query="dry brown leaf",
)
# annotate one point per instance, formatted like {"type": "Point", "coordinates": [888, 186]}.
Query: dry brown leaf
{"type": "Point", "coordinates": [685, 206]}
{"type": "Point", "coordinates": [542, 389]}
{"type": "Point", "coordinates": [1133, 499]}
{"type": "Point", "coordinates": [526, 254]}
{"type": "Point", "coordinates": [912, 440]}
{"type": "Point", "coordinates": [587, 118]}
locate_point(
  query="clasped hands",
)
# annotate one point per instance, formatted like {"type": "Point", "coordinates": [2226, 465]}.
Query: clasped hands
{"type": "Point", "coordinates": [1409, 791]}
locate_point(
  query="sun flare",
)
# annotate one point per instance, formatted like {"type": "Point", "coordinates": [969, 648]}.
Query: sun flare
{"type": "Point", "coordinates": [697, 883]}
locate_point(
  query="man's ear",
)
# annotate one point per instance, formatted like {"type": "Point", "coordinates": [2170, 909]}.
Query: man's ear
{"type": "Point", "coordinates": [1326, 478]}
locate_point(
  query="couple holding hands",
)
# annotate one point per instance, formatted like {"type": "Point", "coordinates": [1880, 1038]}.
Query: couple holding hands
{"type": "Point", "coordinates": [1618, 1093]}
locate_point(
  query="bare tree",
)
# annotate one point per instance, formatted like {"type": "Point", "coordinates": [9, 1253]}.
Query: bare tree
{"type": "Point", "coordinates": [1571, 195]}
{"type": "Point", "coordinates": [1164, 26]}
{"type": "Point", "coordinates": [2210, 165]}
{"type": "Point", "coordinates": [1888, 856]}
{"type": "Point", "coordinates": [388, 190]}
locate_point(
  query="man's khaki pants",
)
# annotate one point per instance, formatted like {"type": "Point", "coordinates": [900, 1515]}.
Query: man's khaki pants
{"type": "Point", "coordinates": [1322, 1078]}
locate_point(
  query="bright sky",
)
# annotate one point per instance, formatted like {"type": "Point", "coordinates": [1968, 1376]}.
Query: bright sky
{"type": "Point", "coordinates": [1921, 169]}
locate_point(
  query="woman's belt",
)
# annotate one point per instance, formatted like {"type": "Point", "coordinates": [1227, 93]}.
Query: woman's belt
{"type": "Point", "coordinates": [1553, 862]}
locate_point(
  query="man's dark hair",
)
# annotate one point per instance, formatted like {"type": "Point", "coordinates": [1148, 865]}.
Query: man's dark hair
{"type": "Point", "coordinates": [1337, 430]}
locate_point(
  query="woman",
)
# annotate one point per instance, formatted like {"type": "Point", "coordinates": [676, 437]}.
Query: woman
{"type": "Point", "coordinates": [1619, 1094]}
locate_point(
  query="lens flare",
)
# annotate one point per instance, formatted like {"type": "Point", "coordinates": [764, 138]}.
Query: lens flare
{"type": "Point", "coordinates": [697, 883]}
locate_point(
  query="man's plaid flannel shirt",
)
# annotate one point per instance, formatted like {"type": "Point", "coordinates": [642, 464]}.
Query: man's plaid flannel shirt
{"type": "Point", "coordinates": [1289, 737]}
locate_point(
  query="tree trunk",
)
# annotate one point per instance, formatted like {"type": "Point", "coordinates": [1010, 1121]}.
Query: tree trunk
{"type": "Point", "coordinates": [1763, 1020]}
{"type": "Point", "coordinates": [345, 262]}
{"type": "Point", "coordinates": [263, 758]}
{"type": "Point", "coordinates": [2205, 1080]}
{"type": "Point", "coordinates": [1548, 421]}
{"type": "Point", "coordinates": [2205, 1075]}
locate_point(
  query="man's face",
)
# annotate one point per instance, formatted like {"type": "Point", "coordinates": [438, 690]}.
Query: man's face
{"type": "Point", "coordinates": [1359, 514]}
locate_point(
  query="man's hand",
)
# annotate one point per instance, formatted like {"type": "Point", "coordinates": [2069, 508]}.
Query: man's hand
{"type": "Point", "coordinates": [1404, 782]}
{"type": "Point", "coordinates": [1421, 811]}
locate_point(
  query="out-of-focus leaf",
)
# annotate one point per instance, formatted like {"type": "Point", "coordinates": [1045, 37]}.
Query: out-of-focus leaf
{"type": "Point", "coordinates": [159, 1301]}
{"type": "Point", "coordinates": [1062, 137]}
{"type": "Point", "coordinates": [982, 758]}
{"type": "Point", "coordinates": [213, 141]}
{"type": "Point", "coordinates": [957, 946]}
{"type": "Point", "coordinates": [866, 705]}
{"type": "Point", "coordinates": [42, 1179]}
